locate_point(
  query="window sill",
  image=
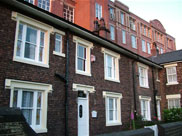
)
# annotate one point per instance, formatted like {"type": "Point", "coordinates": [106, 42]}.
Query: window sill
{"type": "Point", "coordinates": [83, 73]}
{"type": "Point", "coordinates": [30, 62]}
{"type": "Point", "coordinates": [113, 124]}
{"type": "Point", "coordinates": [41, 130]}
{"type": "Point", "coordinates": [144, 86]}
{"type": "Point", "coordinates": [113, 80]}
{"type": "Point", "coordinates": [158, 80]}
{"type": "Point", "coordinates": [59, 54]}
{"type": "Point", "coordinates": [172, 83]}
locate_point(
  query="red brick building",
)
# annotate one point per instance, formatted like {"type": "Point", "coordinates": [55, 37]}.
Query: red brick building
{"type": "Point", "coordinates": [68, 80]}
{"type": "Point", "coordinates": [126, 29]}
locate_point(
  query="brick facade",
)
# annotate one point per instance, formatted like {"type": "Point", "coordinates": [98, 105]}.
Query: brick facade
{"type": "Point", "coordinates": [56, 100]}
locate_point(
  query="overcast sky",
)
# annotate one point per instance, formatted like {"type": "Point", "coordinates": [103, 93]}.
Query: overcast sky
{"type": "Point", "coordinates": [168, 12]}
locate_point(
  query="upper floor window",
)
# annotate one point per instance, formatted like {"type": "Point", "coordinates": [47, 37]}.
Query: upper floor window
{"type": "Point", "coordinates": [148, 32]}
{"type": "Point", "coordinates": [132, 24]}
{"type": "Point", "coordinates": [68, 13]}
{"type": "Point", "coordinates": [111, 62]}
{"type": "Point", "coordinates": [148, 47]}
{"type": "Point", "coordinates": [32, 100]}
{"type": "Point", "coordinates": [112, 16]}
{"type": "Point", "coordinates": [171, 74]}
{"type": "Point", "coordinates": [113, 108]}
{"type": "Point", "coordinates": [174, 101]}
{"type": "Point", "coordinates": [145, 107]}
{"type": "Point", "coordinates": [161, 51]}
{"type": "Point", "coordinates": [145, 30]}
{"type": "Point", "coordinates": [122, 18]}
{"type": "Point", "coordinates": [83, 64]}
{"type": "Point", "coordinates": [133, 41]}
{"type": "Point", "coordinates": [143, 46]}
{"type": "Point", "coordinates": [124, 37]}
{"type": "Point", "coordinates": [58, 49]}
{"type": "Point", "coordinates": [44, 4]}
{"type": "Point", "coordinates": [98, 11]}
{"type": "Point", "coordinates": [143, 75]}
{"type": "Point", "coordinates": [30, 1]}
{"type": "Point", "coordinates": [31, 42]}
{"type": "Point", "coordinates": [112, 32]}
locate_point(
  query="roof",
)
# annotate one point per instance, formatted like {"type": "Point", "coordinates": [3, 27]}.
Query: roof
{"type": "Point", "coordinates": [168, 57]}
{"type": "Point", "coordinates": [38, 13]}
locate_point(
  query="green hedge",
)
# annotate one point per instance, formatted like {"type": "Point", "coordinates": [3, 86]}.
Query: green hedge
{"type": "Point", "coordinates": [172, 115]}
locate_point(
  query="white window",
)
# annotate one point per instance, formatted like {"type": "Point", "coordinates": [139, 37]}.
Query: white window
{"type": "Point", "coordinates": [145, 107]}
{"type": "Point", "coordinates": [30, 1]}
{"type": "Point", "coordinates": [158, 109]}
{"type": "Point", "coordinates": [68, 13]}
{"type": "Point", "coordinates": [157, 75]}
{"type": "Point", "coordinates": [124, 37]}
{"type": "Point", "coordinates": [145, 30]}
{"type": "Point", "coordinates": [122, 18]}
{"type": "Point", "coordinates": [32, 41]}
{"type": "Point", "coordinates": [31, 98]}
{"type": "Point", "coordinates": [44, 4]}
{"type": "Point", "coordinates": [143, 75]}
{"type": "Point", "coordinates": [148, 47]}
{"type": "Point", "coordinates": [112, 16]}
{"type": "Point", "coordinates": [98, 11]}
{"type": "Point", "coordinates": [174, 101]}
{"type": "Point", "coordinates": [58, 49]}
{"type": "Point", "coordinates": [112, 32]}
{"type": "Point", "coordinates": [113, 108]}
{"type": "Point", "coordinates": [133, 41]}
{"type": "Point", "coordinates": [171, 74]}
{"type": "Point", "coordinates": [83, 64]}
{"type": "Point", "coordinates": [143, 46]}
{"type": "Point", "coordinates": [161, 51]}
{"type": "Point", "coordinates": [132, 24]}
{"type": "Point", "coordinates": [111, 62]}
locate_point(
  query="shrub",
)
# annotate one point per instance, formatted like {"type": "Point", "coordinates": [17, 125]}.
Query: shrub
{"type": "Point", "coordinates": [172, 115]}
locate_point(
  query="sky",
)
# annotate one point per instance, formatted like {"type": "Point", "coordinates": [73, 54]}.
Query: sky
{"type": "Point", "coordinates": [168, 12]}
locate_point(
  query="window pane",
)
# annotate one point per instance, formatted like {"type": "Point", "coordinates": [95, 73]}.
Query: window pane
{"type": "Point", "coordinates": [111, 109]}
{"type": "Point", "coordinates": [30, 51]}
{"type": "Point", "coordinates": [57, 46]}
{"type": "Point", "coordinates": [41, 38]}
{"type": "Point", "coordinates": [81, 52]}
{"type": "Point", "coordinates": [20, 32]}
{"type": "Point", "coordinates": [31, 35]}
{"type": "Point", "coordinates": [41, 49]}
{"type": "Point", "coordinates": [18, 49]}
{"type": "Point", "coordinates": [39, 95]}
{"type": "Point", "coordinates": [28, 116]}
{"type": "Point", "coordinates": [27, 99]}
{"type": "Point", "coordinates": [81, 64]}
{"type": "Point", "coordinates": [15, 97]}
{"type": "Point", "coordinates": [38, 117]}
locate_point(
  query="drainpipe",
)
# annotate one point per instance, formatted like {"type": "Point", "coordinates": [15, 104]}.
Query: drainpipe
{"type": "Point", "coordinates": [66, 80]}
{"type": "Point", "coordinates": [155, 93]}
{"type": "Point", "coordinates": [134, 88]}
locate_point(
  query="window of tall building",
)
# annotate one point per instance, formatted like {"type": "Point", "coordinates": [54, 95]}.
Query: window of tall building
{"type": "Point", "coordinates": [123, 36]}
{"type": "Point", "coordinates": [112, 32]}
{"type": "Point", "coordinates": [133, 41]}
{"type": "Point", "coordinates": [122, 18]}
{"type": "Point", "coordinates": [145, 30]}
{"type": "Point", "coordinates": [98, 11]}
{"type": "Point", "coordinates": [148, 47]}
{"type": "Point", "coordinates": [44, 4]}
{"type": "Point", "coordinates": [162, 51]}
{"type": "Point", "coordinates": [132, 24]}
{"type": "Point", "coordinates": [143, 46]}
{"type": "Point", "coordinates": [112, 15]}
{"type": "Point", "coordinates": [68, 13]}
{"type": "Point", "coordinates": [148, 32]}
{"type": "Point", "coordinates": [30, 1]}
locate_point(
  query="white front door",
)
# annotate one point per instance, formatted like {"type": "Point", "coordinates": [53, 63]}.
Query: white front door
{"type": "Point", "coordinates": [83, 117]}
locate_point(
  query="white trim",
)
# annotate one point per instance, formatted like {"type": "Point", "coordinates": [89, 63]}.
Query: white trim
{"type": "Point", "coordinates": [117, 97]}
{"type": "Point", "coordinates": [173, 96]}
{"type": "Point", "coordinates": [59, 54]}
{"type": "Point", "coordinates": [140, 65]}
{"type": "Point", "coordinates": [144, 98]}
{"type": "Point", "coordinates": [44, 88]}
{"type": "Point", "coordinates": [148, 99]}
{"type": "Point", "coordinates": [54, 30]}
{"type": "Point", "coordinates": [85, 88]}
{"type": "Point", "coordinates": [172, 83]}
{"type": "Point", "coordinates": [171, 65]}
{"type": "Point", "coordinates": [158, 97]}
{"type": "Point", "coordinates": [114, 54]}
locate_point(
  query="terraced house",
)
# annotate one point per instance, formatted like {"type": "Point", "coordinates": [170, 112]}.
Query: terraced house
{"type": "Point", "coordinates": [68, 80]}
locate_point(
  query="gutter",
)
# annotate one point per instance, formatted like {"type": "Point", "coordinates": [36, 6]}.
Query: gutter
{"type": "Point", "coordinates": [60, 22]}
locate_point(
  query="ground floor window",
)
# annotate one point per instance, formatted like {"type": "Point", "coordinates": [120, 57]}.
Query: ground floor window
{"type": "Point", "coordinates": [145, 107]}
{"type": "Point", "coordinates": [113, 108]}
{"type": "Point", "coordinates": [173, 101]}
{"type": "Point", "coordinates": [32, 99]}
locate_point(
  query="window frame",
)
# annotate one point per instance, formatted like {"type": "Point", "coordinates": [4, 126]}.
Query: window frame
{"type": "Point", "coordinates": [19, 18]}
{"type": "Point", "coordinates": [167, 68]}
{"type": "Point", "coordinates": [158, 104]}
{"type": "Point", "coordinates": [45, 5]}
{"type": "Point", "coordinates": [112, 13]}
{"type": "Point", "coordinates": [65, 13]}
{"type": "Point", "coordinates": [143, 46]}
{"type": "Point", "coordinates": [135, 39]}
{"type": "Point", "coordinates": [98, 10]}
{"type": "Point", "coordinates": [61, 33]}
{"type": "Point", "coordinates": [146, 82]}
{"type": "Point", "coordinates": [112, 32]}
{"type": "Point", "coordinates": [88, 45]}
{"type": "Point", "coordinates": [122, 16]}
{"type": "Point", "coordinates": [147, 100]}
{"type": "Point", "coordinates": [116, 57]}
{"type": "Point", "coordinates": [148, 48]}
{"type": "Point", "coordinates": [174, 97]}
{"type": "Point", "coordinates": [117, 97]}
{"type": "Point", "coordinates": [33, 86]}
{"type": "Point", "coordinates": [123, 36]}
{"type": "Point", "coordinates": [29, 1]}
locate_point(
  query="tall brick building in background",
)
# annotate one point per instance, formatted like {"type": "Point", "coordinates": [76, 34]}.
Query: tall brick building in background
{"type": "Point", "coordinates": [126, 29]}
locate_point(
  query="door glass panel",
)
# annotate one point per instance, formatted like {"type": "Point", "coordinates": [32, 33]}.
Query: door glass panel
{"type": "Point", "coordinates": [80, 111]}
